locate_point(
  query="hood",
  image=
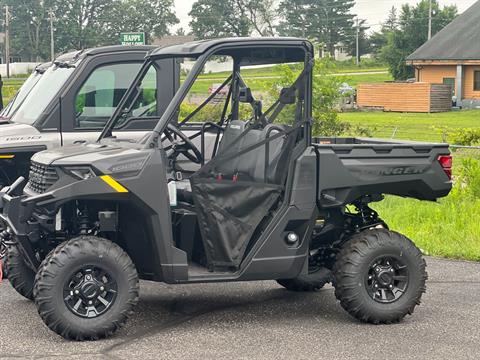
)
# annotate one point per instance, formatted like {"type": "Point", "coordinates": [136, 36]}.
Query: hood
{"type": "Point", "coordinates": [85, 154]}
{"type": "Point", "coordinates": [19, 135]}
{"type": "Point", "coordinates": [7, 129]}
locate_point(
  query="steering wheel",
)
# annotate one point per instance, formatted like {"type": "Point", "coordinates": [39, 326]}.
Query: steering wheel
{"type": "Point", "coordinates": [183, 146]}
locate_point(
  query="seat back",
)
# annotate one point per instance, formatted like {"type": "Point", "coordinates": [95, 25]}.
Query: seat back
{"type": "Point", "coordinates": [251, 165]}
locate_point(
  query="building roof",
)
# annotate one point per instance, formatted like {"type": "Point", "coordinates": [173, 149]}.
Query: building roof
{"type": "Point", "coordinates": [459, 40]}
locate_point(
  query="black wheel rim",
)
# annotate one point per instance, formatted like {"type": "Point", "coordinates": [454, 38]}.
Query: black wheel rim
{"type": "Point", "coordinates": [387, 279]}
{"type": "Point", "coordinates": [90, 292]}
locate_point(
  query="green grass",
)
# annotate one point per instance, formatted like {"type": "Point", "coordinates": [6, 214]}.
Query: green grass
{"type": "Point", "coordinates": [448, 228]}
{"type": "Point", "coordinates": [413, 126]}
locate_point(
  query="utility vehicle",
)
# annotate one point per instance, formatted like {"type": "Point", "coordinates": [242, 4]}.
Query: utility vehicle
{"type": "Point", "coordinates": [70, 100]}
{"type": "Point", "coordinates": [259, 200]}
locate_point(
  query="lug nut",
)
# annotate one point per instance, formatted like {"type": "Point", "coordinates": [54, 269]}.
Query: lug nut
{"type": "Point", "coordinates": [88, 277]}
{"type": "Point", "coordinates": [90, 302]}
{"type": "Point", "coordinates": [376, 285]}
{"type": "Point", "coordinates": [377, 269]}
{"type": "Point", "coordinates": [77, 292]}
{"type": "Point", "coordinates": [102, 288]}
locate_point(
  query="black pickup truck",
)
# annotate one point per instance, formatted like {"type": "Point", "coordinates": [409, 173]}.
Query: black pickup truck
{"type": "Point", "coordinates": [247, 195]}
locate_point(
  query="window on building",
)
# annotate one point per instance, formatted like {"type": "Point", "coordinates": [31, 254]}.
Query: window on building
{"type": "Point", "coordinates": [476, 80]}
{"type": "Point", "coordinates": [451, 82]}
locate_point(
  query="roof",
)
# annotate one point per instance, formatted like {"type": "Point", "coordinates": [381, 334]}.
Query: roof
{"type": "Point", "coordinates": [459, 40]}
{"type": "Point", "coordinates": [75, 55]}
{"type": "Point", "coordinates": [195, 48]}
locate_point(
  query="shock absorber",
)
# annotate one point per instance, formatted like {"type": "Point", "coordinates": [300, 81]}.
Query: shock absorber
{"type": "Point", "coordinates": [83, 222]}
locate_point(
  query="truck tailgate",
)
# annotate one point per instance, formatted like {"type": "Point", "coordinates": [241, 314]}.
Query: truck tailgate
{"type": "Point", "coordinates": [351, 168]}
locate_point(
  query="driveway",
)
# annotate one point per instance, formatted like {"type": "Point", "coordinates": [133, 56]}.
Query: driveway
{"type": "Point", "coordinates": [260, 320]}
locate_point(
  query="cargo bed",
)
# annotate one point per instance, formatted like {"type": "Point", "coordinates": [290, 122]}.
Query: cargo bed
{"type": "Point", "coordinates": [349, 168]}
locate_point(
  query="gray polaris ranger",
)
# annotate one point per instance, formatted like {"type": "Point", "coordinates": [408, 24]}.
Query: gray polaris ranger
{"type": "Point", "coordinates": [260, 200]}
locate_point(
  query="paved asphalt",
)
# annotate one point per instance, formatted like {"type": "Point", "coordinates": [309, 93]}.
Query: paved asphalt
{"type": "Point", "coordinates": [260, 320]}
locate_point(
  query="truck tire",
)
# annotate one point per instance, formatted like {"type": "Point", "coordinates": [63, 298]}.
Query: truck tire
{"type": "Point", "coordinates": [86, 289]}
{"type": "Point", "coordinates": [379, 276]}
{"type": "Point", "coordinates": [21, 277]}
{"type": "Point", "coordinates": [311, 282]}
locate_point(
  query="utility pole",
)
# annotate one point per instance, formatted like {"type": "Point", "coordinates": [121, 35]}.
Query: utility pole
{"type": "Point", "coordinates": [430, 20]}
{"type": "Point", "coordinates": [7, 40]}
{"type": "Point", "coordinates": [358, 43]}
{"type": "Point", "coordinates": [52, 41]}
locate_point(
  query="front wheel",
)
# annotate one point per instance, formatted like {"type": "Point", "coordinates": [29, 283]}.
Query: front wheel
{"type": "Point", "coordinates": [379, 276]}
{"type": "Point", "coordinates": [86, 289]}
{"type": "Point", "coordinates": [20, 275]}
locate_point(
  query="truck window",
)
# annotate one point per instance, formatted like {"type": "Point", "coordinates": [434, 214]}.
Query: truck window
{"type": "Point", "coordinates": [100, 94]}
{"type": "Point", "coordinates": [42, 94]}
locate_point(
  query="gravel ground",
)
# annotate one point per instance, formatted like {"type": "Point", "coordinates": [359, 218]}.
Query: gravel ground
{"type": "Point", "coordinates": [260, 320]}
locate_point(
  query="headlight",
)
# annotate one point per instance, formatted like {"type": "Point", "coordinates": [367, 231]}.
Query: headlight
{"type": "Point", "coordinates": [80, 172]}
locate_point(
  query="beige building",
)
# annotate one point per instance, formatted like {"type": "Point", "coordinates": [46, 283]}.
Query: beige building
{"type": "Point", "coordinates": [452, 57]}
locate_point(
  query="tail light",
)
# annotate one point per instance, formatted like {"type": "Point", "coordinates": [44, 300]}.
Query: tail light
{"type": "Point", "coordinates": [446, 162]}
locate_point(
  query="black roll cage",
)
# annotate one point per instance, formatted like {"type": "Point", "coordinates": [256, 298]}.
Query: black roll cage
{"type": "Point", "coordinates": [182, 92]}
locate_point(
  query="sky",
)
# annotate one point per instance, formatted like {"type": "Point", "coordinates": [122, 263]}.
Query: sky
{"type": "Point", "coordinates": [374, 11]}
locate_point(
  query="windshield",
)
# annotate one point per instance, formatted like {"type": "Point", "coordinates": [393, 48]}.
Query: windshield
{"type": "Point", "coordinates": [42, 94]}
{"type": "Point", "coordinates": [21, 94]}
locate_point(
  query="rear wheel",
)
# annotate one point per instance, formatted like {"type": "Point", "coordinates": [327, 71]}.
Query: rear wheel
{"type": "Point", "coordinates": [21, 277]}
{"type": "Point", "coordinates": [379, 276]}
{"type": "Point", "coordinates": [87, 289]}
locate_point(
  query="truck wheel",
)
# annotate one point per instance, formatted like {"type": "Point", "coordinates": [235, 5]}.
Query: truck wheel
{"type": "Point", "coordinates": [21, 277]}
{"type": "Point", "coordinates": [86, 289]}
{"type": "Point", "coordinates": [313, 281]}
{"type": "Point", "coordinates": [379, 276]}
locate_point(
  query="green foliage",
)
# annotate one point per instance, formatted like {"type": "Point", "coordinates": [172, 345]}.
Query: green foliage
{"type": "Point", "coordinates": [154, 17]}
{"type": "Point", "coordinates": [325, 21]}
{"type": "Point", "coordinates": [468, 137]}
{"type": "Point", "coordinates": [469, 177]}
{"type": "Point", "coordinates": [411, 33]}
{"type": "Point", "coordinates": [326, 96]}
{"type": "Point", "coordinates": [79, 24]}
{"type": "Point", "coordinates": [213, 18]}
{"type": "Point", "coordinates": [447, 228]}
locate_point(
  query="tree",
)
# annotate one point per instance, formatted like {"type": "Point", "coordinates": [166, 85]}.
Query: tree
{"type": "Point", "coordinates": [379, 39]}
{"type": "Point", "coordinates": [325, 21]}
{"type": "Point", "coordinates": [412, 32]}
{"type": "Point", "coordinates": [29, 28]}
{"type": "Point", "coordinates": [363, 40]}
{"type": "Point", "coordinates": [213, 18]}
{"type": "Point", "coordinates": [152, 17]}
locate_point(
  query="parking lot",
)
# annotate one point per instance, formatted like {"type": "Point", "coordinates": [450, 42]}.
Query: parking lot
{"type": "Point", "coordinates": [261, 320]}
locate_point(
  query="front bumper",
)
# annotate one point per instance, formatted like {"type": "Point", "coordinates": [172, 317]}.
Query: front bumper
{"type": "Point", "coordinates": [27, 217]}
{"type": "Point", "coordinates": [14, 217]}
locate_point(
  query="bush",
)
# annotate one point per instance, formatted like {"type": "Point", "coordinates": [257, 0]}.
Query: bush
{"type": "Point", "coordinates": [467, 137]}
{"type": "Point", "coordinates": [468, 179]}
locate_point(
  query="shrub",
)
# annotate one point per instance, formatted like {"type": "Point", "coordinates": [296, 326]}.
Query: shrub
{"type": "Point", "coordinates": [467, 137]}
